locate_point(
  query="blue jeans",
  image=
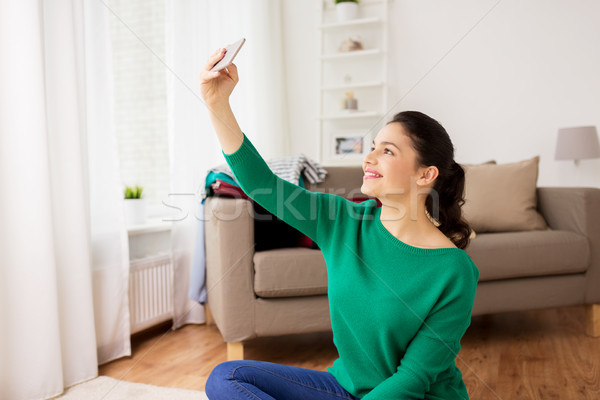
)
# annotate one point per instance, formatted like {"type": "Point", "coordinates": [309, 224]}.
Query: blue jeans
{"type": "Point", "coordinates": [259, 380]}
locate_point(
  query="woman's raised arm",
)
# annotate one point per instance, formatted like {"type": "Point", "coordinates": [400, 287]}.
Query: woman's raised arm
{"type": "Point", "coordinates": [216, 87]}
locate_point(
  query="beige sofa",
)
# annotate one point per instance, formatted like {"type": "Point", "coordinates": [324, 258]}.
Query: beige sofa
{"type": "Point", "coordinates": [284, 291]}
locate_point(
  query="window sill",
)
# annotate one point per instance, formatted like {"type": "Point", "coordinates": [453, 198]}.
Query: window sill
{"type": "Point", "coordinates": [151, 225]}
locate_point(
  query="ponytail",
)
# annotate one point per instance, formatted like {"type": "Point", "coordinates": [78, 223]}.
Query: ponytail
{"type": "Point", "coordinates": [448, 212]}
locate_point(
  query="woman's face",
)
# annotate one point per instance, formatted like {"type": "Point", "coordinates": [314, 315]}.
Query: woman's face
{"type": "Point", "coordinates": [390, 168]}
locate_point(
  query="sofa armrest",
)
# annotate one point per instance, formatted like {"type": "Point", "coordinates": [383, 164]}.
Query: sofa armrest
{"type": "Point", "coordinates": [574, 209]}
{"type": "Point", "coordinates": [577, 210]}
{"type": "Point", "coordinates": [229, 238]}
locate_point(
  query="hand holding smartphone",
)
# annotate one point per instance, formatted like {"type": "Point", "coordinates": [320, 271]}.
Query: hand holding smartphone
{"type": "Point", "coordinates": [230, 53]}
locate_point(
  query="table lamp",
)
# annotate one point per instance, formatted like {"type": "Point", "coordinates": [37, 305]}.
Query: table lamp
{"type": "Point", "coordinates": [577, 143]}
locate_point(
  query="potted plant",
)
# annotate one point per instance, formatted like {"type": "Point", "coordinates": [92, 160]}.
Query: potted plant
{"type": "Point", "coordinates": [346, 9]}
{"type": "Point", "coordinates": [135, 205]}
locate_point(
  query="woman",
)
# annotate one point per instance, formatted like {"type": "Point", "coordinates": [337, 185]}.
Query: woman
{"type": "Point", "coordinates": [400, 289]}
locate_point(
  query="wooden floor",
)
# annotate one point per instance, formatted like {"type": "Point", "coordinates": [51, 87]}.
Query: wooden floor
{"type": "Point", "coordinates": [542, 354]}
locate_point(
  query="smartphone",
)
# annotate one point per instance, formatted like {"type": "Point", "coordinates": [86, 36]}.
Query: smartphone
{"type": "Point", "coordinates": [230, 53]}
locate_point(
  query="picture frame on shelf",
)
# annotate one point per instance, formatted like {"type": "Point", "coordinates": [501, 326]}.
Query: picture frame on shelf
{"type": "Point", "coordinates": [346, 147]}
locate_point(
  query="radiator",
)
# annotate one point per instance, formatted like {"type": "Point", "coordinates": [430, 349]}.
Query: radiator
{"type": "Point", "coordinates": [150, 296]}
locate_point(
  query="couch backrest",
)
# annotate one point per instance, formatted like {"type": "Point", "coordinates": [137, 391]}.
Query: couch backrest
{"type": "Point", "coordinates": [345, 181]}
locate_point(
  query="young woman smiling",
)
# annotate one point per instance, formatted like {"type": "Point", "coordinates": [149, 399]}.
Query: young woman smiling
{"type": "Point", "coordinates": [401, 288]}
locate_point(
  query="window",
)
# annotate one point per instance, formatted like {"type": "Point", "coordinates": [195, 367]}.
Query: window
{"type": "Point", "coordinates": [138, 43]}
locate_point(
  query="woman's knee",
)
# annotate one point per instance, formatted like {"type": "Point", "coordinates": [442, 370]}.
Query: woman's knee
{"type": "Point", "coordinates": [218, 380]}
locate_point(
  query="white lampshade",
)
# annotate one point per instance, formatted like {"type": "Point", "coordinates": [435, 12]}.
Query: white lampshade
{"type": "Point", "coordinates": [577, 143]}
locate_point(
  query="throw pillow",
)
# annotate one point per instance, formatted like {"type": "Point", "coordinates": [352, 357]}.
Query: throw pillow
{"type": "Point", "coordinates": [502, 197]}
{"type": "Point", "coordinates": [473, 234]}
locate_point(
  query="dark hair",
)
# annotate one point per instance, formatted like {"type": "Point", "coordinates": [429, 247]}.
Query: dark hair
{"type": "Point", "coordinates": [434, 148]}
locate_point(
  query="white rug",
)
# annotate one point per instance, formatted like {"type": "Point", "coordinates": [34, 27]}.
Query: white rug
{"type": "Point", "coordinates": [105, 388]}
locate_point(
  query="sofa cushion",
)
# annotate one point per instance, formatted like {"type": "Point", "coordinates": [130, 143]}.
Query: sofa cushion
{"type": "Point", "coordinates": [502, 197]}
{"type": "Point", "coordinates": [296, 272]}
{"type": "Point", "coordinates": [289, 273]}
{"type": "Point", "coordinates": [533, 253]}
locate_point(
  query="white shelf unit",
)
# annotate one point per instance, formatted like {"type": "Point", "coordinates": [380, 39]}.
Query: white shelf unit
{"type": "Point", "coordinates": [355, 22]}
{"type": "Point", "coordinates": [354, 86]}
{"type": "Point", "coordinates": [344, 136]}
{"type": "Point", "coordinates": [351, 115]}
{"type": "Point", "coordinates": [352, 54]}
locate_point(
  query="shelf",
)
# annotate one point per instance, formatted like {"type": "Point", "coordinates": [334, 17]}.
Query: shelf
{"type": "Point", "coordinates": [353, 86]}
{"type": "Point", "coordinates": [351, 115]}
{"type": "Point", "coordinates": [149, 258]}
{"type": "Point", "coordinates": [352, 23]}
{"type": "Point", "coordinates": [352, 54]}
{"type": "Point", "coordinates": [329, 6]}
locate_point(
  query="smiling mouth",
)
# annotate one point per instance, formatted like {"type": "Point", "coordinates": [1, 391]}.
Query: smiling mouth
{"type": "Point", "coordinates": [371, 175]}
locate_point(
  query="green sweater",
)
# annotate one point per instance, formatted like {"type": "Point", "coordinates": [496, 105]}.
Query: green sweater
{"type": "Point", "coordinates": [398, 312]}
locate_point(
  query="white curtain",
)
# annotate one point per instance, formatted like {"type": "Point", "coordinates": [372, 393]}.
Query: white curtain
{"type": "Point", "coordinates": [63, 248]}
{"type": "Point", "coordinates": [194, 30]}
{"type": "Point", "coordinates": [110, 244]}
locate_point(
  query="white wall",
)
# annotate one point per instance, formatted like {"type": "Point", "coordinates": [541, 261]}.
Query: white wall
{"type": "Point", "coordinates": [501, 76]}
